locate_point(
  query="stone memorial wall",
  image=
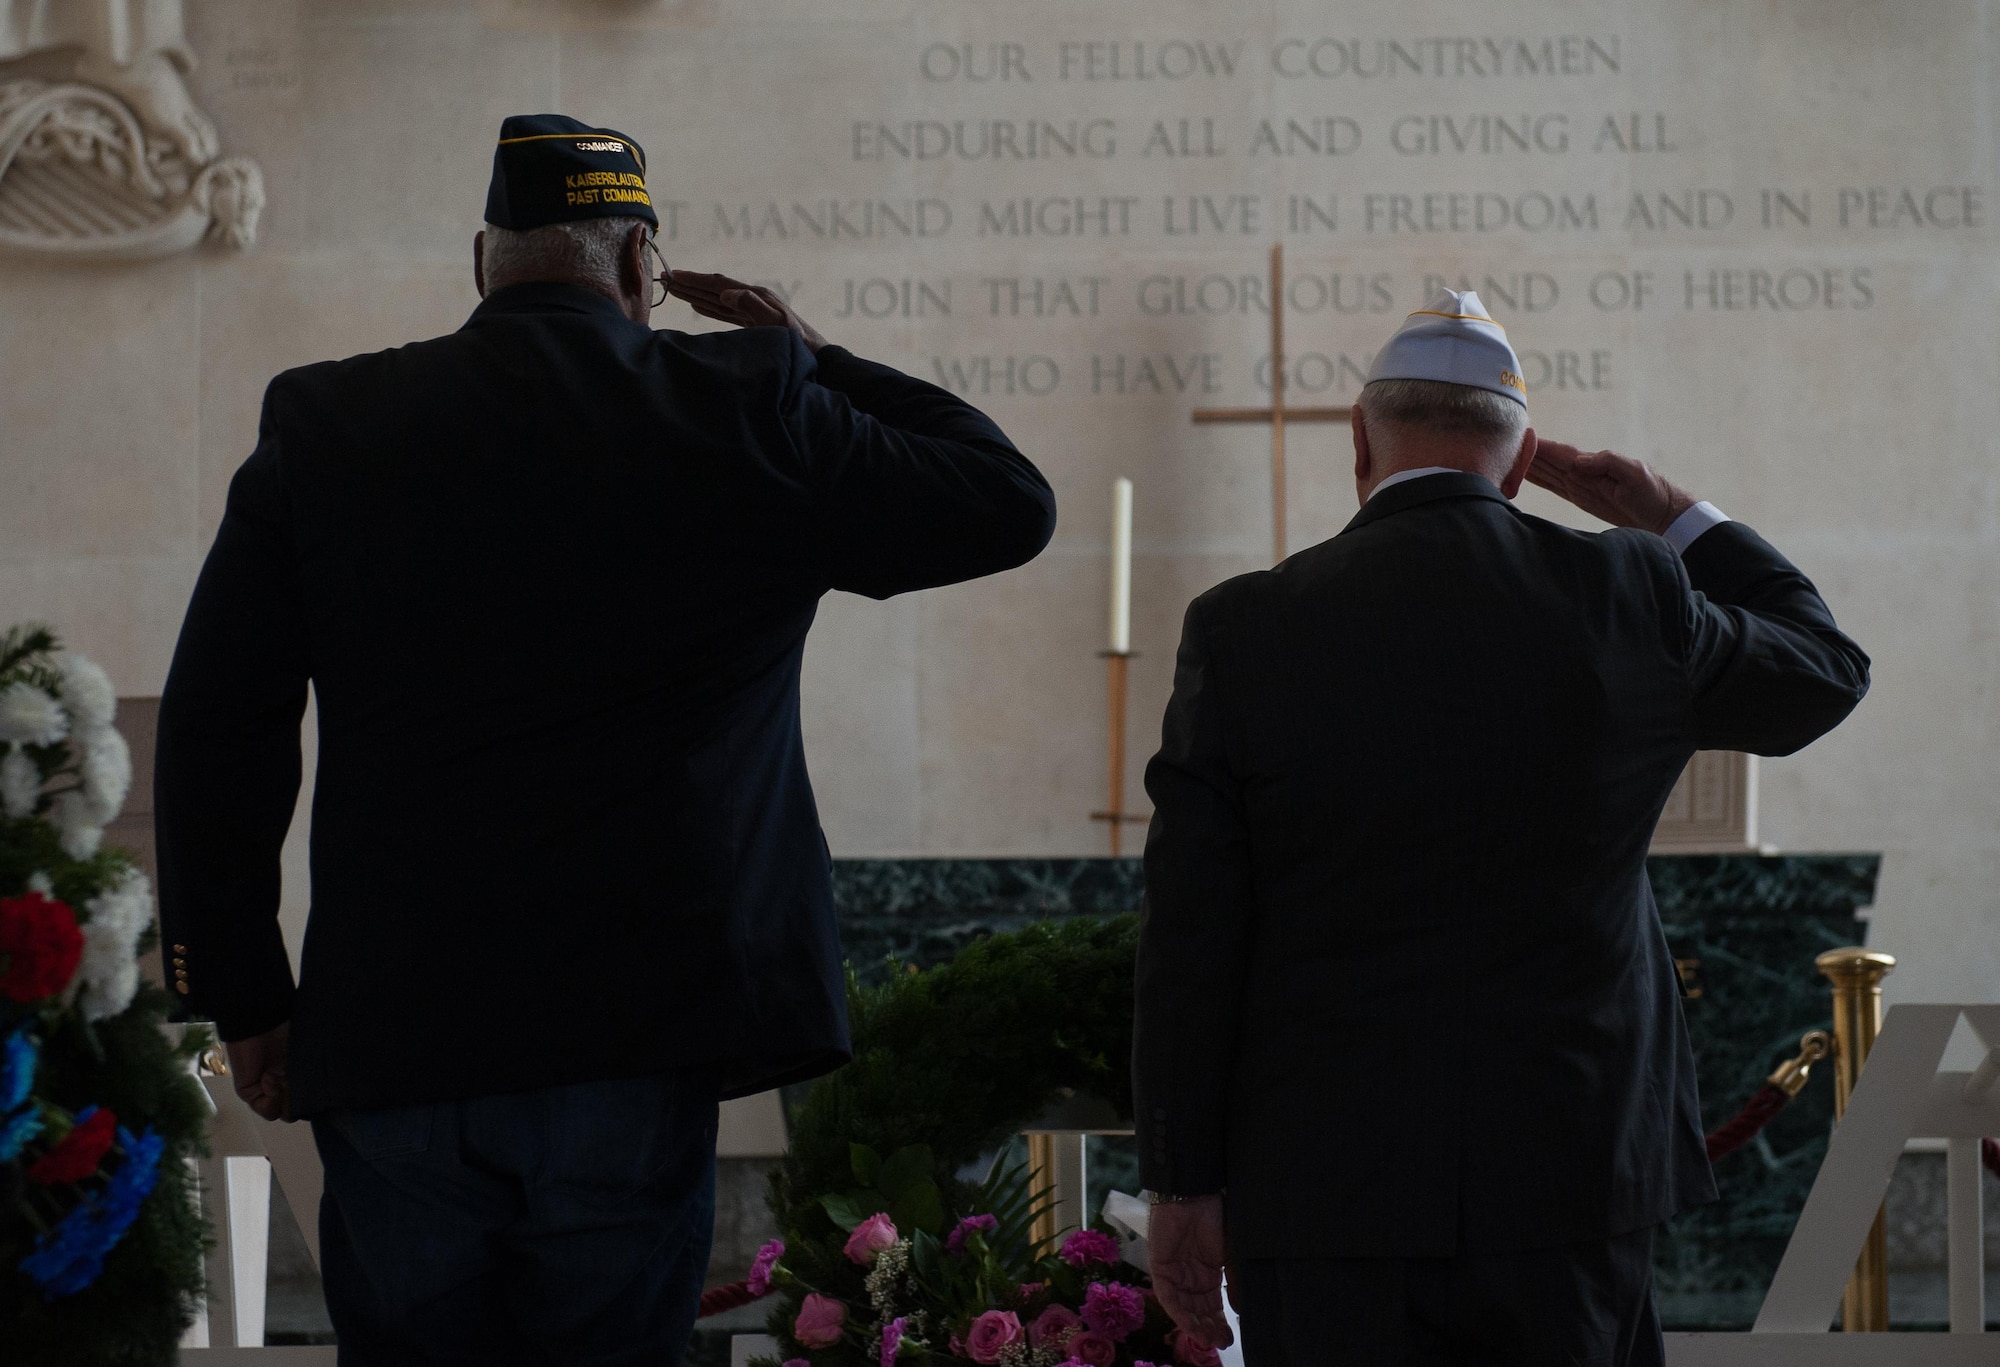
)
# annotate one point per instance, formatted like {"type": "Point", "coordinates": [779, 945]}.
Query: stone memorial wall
{"type": "Point", "coordinates": [1753, 244]}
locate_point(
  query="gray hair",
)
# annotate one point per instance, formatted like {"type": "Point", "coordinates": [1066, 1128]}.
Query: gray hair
{"type": "Point", "coordinates": [585, 249]}
{"type": "Point", "coordinates": [1436, 406]}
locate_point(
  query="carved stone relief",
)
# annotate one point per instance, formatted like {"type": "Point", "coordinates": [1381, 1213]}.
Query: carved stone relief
{"type": "Point", "coordinates": [1713, 809]}
{"type": "Point", "coordinates": [103, 152]}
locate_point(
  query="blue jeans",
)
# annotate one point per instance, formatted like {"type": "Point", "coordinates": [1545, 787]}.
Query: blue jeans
{"type": "Point", "coordinates": [568, 1225]}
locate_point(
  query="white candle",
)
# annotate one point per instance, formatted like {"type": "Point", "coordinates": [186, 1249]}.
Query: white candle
{"type": "Point", "coordinates": [1121, 566]}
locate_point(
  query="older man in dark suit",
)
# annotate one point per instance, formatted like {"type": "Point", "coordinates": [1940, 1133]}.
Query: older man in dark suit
{"type": "Point", "coordinates": [550, 579]}
{"type": "Point", "coordinates": [1410, 1056]}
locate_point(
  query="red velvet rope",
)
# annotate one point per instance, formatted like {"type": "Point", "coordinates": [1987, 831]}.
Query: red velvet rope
{"type": "Point", "coordinates": [1752, 1118]}
{"type": "Point", "coordinates": [721, 1298]}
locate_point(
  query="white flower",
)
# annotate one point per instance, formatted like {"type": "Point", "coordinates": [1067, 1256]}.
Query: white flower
{"type": "Point", "coordinates": [80, 834]}
{"type": "Point", "coordinates": [126, 907]}
{"type": "Point", "coordinates": [103, 998]}
{"type": "Point", "coordinates": [39, 881]}
{"type": "Point", "coordinates": [28, 716]}
{"type": "Point", "coordinates": [20, 784]}
{"type": "Point", "coordinates": [87, 694]}
{"type": "Point", "coordinates": [109, 971]}
{"type": "Point", "coordinates": [106, 770]}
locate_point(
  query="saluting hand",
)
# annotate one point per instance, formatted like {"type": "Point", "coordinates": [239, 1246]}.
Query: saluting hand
{"type": "Point", "coordinates": [257, 1071]}
{"type": "Point", "coordinates": [1188, 1250]}
{"type": "Point", "coordinates": [1621, 491]}
{"type": "Point", "coordinates": [747, 306]}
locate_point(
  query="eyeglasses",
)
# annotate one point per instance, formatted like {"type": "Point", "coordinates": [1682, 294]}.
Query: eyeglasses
{"type": "Point", "coordinates": [659, 295]}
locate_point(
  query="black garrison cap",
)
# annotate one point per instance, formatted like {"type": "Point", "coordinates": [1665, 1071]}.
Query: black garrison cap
{"type": "Point", "coordinates": [549, 168]}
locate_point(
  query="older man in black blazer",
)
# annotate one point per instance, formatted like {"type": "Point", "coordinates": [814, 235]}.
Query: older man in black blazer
{"type": "Point", "coordinates": [1410, 1055]}
{"type": "Point", "coordinates": [549, 578]}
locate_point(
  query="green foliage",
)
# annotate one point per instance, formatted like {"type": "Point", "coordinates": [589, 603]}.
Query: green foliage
{"type": "Point", "coordinates": [24, 654]}
{"type": "Point", "coordinates": [948, 1066]}
{"type": "Point", "coordinates": [902, 1186]}
{"type": "Point", "coordinates": [961, 1057]}
{"type": "Point", "coordinates": [134, 1064]}
{"type": "Point", "coordinates": [136, 1311]}
{"type": "Point", "coordinates": [993, 1264]}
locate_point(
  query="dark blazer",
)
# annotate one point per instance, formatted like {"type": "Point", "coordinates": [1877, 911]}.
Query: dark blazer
{"type": "Point", "coordinates": [550, 579]}
{"type": "Point", "coordinates": [1402, 988]}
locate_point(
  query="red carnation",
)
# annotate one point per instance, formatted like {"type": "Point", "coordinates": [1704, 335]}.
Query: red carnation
{"type": "Point", "coordinates": [80, 1151]}
{"type": "Point", "coordinates": [42, 945]}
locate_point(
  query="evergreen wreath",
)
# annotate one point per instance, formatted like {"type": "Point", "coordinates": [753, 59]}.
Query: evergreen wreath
{"type": "Point", "coordinates": [100, 1239]}
{"type": "Point", "coordinates": [889, 1251]}
{"type": "Point", "coordinates": [962, 1056]}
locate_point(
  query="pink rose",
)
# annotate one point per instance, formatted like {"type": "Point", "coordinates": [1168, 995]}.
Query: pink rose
{"type": "Point", "coordinates": [992, 1331]}
{"type": "Point", "coordinates": [1053, 1327]}
{"type": "Point", "coordinates": [819, 1321]}
{"type": "Point", "coordinates": [1093, 1348]}
{"type": "Point", "coordinates": [1086, 1246]}
{"type": "Point", "coordinates": [1192, 1354]}
{"type": "Point", "coordinates": [1113, 1309]}
{"type": "Point", "coordinates": [759, 1280]}
{"type": "Point", "coordinates": [870, 1237]}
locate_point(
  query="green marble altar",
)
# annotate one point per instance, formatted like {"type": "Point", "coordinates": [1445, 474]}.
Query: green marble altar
{"type": "Point", "coordinates": [1747, 927]}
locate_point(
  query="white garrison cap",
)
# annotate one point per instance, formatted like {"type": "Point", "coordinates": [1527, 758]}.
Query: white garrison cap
{"type": "Point", "coordinates": [1454, 339]}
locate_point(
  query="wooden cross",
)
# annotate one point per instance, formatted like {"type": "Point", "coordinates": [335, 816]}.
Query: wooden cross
{"type": "Point", "coordinates": [1277, 414]}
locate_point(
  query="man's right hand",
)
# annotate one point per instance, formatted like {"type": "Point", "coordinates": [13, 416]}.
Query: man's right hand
{"type": "Point", "coordinates": [257, 1070]}
{"type": "Point", "coordinates": [1189, 1251]}
{"type": "Point", "coordinates": [1621, 491]}
{"type": "Point", "coordinates": [747, 306]}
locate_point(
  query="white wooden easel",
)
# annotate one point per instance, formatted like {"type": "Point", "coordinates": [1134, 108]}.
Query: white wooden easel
{"type": "Point", "coordinates": [1902, 1095]}
{"type": "Point", "coordinates": [234, 1185]}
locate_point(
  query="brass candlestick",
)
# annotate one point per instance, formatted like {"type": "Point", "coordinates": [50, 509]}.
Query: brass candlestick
{"type": "Point", "coordinates": [1857, 975]}
{"type": "Point", "coordinates": [1116, 672]}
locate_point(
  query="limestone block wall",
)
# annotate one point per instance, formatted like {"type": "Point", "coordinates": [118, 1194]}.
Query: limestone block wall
{"type": "Point", "coordinates": [1752, 244]}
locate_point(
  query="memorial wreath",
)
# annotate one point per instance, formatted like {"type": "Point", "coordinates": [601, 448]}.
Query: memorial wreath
{"type": "Point", "coordinates": [100, 1240]}
{"type": "Point", "coordinates": [906, 1231]}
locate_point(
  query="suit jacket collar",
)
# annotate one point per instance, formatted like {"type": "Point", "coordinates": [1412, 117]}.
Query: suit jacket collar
{"type": "Point", "coordinates": [547, 296]}
{"type": "Point", "coordinates": [1414, 493]}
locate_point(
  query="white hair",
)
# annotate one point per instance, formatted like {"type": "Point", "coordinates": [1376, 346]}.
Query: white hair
{"type": "Point", "coordinates": [585, 249]}
{"type": "Point", "coordinates": [1399, 411]}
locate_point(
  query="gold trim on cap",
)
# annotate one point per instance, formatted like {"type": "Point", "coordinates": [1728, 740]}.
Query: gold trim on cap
{"type": "Point", "coordinates": [630, 146]}
{"type": "Point", "coordinates": [1469, 317]}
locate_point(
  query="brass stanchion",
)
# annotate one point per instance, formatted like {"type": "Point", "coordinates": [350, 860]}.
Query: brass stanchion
{"type": "Point", "coordinates": [1857, 975]}
{"type": "Point", "coordinates": [1042, 1170]}
{"type": "Point", "coordinates": [1056, 1162]}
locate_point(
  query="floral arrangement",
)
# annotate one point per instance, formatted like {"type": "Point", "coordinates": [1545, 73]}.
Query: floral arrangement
{"type": "Point", "coordinates": [100, 1246]}
{"type": "Point", "coordinates": [888, 1255]}
{"type": "Point", "coordinates": [975, 1289]}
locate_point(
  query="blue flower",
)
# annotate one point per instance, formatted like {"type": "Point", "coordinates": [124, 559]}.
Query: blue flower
{"type": "Point", "coordinates": [69, 1257]}
{"type": "Point", "coordinates": [17, 1069]}
{"type": "Point", "coordinates": [17, 1129]}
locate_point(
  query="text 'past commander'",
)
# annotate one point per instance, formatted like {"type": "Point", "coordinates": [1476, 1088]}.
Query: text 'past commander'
{"type": "Point", "coordinates": [1409, 1051]}
{"type": "Point", "coordinates": [549, 578]}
